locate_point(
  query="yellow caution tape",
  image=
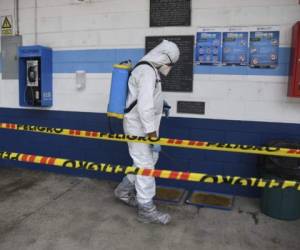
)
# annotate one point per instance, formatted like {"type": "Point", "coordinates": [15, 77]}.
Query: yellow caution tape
{"type": "Point", "coordinates": [201, 145]}
{"type": "Point", "coordinates": [165, 174]}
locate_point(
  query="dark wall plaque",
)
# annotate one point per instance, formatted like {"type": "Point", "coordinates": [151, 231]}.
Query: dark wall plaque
{"type": "Point", "coordinates": [191, 107]}
{"type": "Point", "coordinates": [170, 13]}
{"type": "Point", "coordinates": [181, 77]}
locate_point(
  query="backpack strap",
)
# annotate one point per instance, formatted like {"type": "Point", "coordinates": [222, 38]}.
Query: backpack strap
{"type": "Point", "coordinates": [132, 105]}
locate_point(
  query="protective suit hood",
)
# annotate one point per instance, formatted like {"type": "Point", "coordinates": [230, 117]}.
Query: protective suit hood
{"type": "Point", "coordinates": [162, 53]}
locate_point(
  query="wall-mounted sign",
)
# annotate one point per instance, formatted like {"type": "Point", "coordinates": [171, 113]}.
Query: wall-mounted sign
{"type": "Point", "coordinates": [170, 13]}
{"type": "Point", "coordinates": [231, 46]}
{"type": "Point", "coordinates": [235, 48]}
{"type": "Point", "coordinates": [180, 78]}
{"type": "Point", "coordinates": [264, 46]}
{"type": "Point", "coordinates": [189, 107]}
{"type": "Point", "coordinates": [6, 25]}
{"type": "Point", "coordinates": [208, 48]}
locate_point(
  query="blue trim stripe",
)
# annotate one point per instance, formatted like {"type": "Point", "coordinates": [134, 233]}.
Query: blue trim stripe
{"type": "Point", "coordinates": [92, 61]}
{"type": "Point", "coordinates": [101, 61]}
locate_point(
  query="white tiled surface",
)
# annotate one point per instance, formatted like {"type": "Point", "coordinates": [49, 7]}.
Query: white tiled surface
{"type": "Point", "coordinates": [64, 24]}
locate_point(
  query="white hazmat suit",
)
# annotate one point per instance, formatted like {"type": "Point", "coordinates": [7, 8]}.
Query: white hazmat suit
{"type": "Point", "coordinates": [144, 86]}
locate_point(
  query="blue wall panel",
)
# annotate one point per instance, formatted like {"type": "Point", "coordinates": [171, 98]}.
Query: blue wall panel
{"type": "Point", "coordinates": [102, 60]}
{"type": "Point", "coordinates": [92, 61]}
{"type": "Point", "coordinates": [251, 133]}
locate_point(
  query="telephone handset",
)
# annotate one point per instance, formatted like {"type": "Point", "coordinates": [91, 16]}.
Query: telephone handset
{"type": "Point", "coordinates": [33, 86]}
{"type": "Point", "coordinates": [31, 74]}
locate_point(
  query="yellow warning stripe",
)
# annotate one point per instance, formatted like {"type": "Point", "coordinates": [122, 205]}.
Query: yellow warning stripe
{"type": "Point", "coordinates": [123, 66]}
{"type": "Point", "coordinates": [201, 145]}
{"type": "Point", "coordinates": [116, 115]}
{"type": "Point", "coordinates": [165, 174]}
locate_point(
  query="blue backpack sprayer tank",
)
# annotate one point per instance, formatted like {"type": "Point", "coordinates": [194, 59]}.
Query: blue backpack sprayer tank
{"type": "Point", "coordinates": [119, 89]}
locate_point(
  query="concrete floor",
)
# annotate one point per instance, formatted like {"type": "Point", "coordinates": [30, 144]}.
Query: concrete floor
{"type": "Point", "coordinates": [40, 210]}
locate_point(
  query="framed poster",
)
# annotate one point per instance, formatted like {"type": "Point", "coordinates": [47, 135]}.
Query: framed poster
{"type": "Point", "coordinates": [208, 48]}
{"type": "Point", "coordinates": [235, 48]}
{"type": "Point", "coordinates": [180, 78]}
{"type": "Point", "coordinates": [264, 47]}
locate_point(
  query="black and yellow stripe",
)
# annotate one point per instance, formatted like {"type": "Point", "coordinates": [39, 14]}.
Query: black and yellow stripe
{"type": "Point", "coordinates": [158, 173]}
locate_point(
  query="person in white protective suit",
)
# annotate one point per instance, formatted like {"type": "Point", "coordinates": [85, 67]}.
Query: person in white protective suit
{"type": "Point", "coordinates": [144, 120]}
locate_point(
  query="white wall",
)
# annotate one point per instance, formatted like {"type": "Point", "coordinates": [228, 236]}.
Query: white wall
{"type": "Point", "coordinates": [102, 24]}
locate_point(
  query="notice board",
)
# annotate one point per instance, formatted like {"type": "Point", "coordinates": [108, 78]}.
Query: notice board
{"type": "Point", "coordinates": [180, 78]}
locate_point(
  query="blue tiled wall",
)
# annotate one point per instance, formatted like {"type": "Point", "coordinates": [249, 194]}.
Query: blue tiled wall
{"type": "Point", "coordinates": [254, 133]}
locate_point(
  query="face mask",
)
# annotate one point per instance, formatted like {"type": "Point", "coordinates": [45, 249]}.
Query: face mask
{"type": "Point", "coordinates": [165, 69]}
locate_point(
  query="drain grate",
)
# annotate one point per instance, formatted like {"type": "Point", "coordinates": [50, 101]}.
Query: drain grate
{"type": "Point", "coordinates": [214, 200]}
{"type": "Point", "coordinates": [172, 195]}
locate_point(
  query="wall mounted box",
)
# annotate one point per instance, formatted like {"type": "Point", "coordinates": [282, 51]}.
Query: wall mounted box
{"type": "Point", "coordinates": [294, 78]}
{"type": "Point", "coordinates": [35, 76]}
{"type": "Point", "coordinates": [9, 56]}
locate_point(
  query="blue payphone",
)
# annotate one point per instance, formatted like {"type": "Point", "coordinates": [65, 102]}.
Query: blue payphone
{"type": "Point", "coordinates": [35, 76]}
